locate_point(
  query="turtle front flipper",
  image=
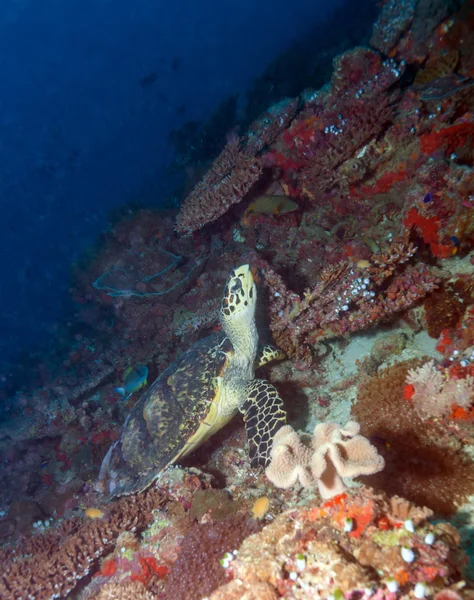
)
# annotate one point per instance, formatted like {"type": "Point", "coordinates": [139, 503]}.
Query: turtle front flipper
{"type": "Point", "coordinates": [264, 414]}
{"type": "Point", "coordinates": [266, 353]}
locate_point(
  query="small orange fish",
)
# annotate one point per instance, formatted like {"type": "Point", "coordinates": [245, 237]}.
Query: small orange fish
{"type": "Point", "coordinates": [94, 513]}
{"type": "Point", "coordinates": [363, 264]}
{"type": "Point", "coordinates": [260, 508]}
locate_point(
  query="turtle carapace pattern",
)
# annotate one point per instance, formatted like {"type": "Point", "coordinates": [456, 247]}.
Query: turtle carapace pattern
{"type": "Point", "coordinates": [197, 395]}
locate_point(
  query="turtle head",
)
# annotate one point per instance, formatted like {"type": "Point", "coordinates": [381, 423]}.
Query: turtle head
{"type": "Point", "coordinates": [237, 313]}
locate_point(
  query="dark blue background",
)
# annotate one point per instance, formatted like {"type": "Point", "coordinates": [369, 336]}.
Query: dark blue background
{"type": "Point", "coordinates": [80, 135]}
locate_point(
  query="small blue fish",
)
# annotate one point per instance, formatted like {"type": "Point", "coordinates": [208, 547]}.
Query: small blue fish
{"type": "Point", "coordinates": [134, 378]}
{"type": "Point", "coordinates": [427, 198]}
{"type": "Point", "coordinates": [455, 240]}
{"type": "Point", "coordinates": [44, 464]}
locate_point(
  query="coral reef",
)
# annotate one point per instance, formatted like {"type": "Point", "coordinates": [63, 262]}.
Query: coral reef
{"type": "Point", "coordinates": [366, 285]}
{"type": "Point", "coordinates": [227, 182]}
{"type": "Point", "coordinates": [202, 550]}
{"type": "Point", "coordinates": [434, 394]}
{"type": "Point", "coordinates": [50, 565]}
{"type": "Point", "coordinates": [353, 545]}
{"type": "Point", "coordinates": [235, 170]}
{"type": "Point", "coordinates": [347, 298]}
{"type": "Point", "coordinates": [423, 463]}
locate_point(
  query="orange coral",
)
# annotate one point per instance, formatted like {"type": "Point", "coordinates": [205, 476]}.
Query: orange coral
{"type": "Point", "coordinates": [408, 391]}
{"type": "Point", "coordinates": [402, 577]}
{"type": "Point", "coordinates": [362, 516]}
{"type": "Point", "coordinates": [461, 414]}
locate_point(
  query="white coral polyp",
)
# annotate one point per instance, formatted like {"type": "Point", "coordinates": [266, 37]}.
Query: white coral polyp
{"type": "Point", "coordinates": [434, 394]}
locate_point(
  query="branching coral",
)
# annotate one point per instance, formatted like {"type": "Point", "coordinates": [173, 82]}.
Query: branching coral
{"type": "Point", "coordinates": [229, 179]}
{"type": "Point", "coordinates": [336, 452]}
{"type": "Point", "coordinates": [51, 565]}
{"type": "Point", "coordinates": [132, 590]}
{"type": "Point", "coordinates": [235, 170]}
{"type": "Point", "coordinates": [345, 299]}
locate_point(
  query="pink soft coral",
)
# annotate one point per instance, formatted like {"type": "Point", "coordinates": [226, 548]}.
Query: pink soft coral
{"type": "Point", "coordinates": [336, 452]}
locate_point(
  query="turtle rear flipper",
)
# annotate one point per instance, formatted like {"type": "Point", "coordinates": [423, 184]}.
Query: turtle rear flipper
{"type": "Point", "coordinates": [264, 414]}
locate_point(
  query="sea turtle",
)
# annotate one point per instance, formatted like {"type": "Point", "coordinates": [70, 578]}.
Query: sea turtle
{"type": "Point", "coordinates": [197, 395]}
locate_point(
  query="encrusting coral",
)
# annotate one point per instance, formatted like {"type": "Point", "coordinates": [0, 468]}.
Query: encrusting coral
{"type": "Point", "coordinates": [131, 590]}
{"type": "Point", "coordinates": [201, 551]}
{"type": "Point", "coordinates": [336, 452]}
{"type": "Point", "coordinates": [352, 546]}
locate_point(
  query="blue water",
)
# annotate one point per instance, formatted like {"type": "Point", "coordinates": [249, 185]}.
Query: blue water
{"type": "Point", "coordinates": [84, 130]}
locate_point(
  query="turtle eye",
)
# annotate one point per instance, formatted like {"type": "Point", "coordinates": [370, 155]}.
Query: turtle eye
{"type": "Point", "coordinates": [236, 286]}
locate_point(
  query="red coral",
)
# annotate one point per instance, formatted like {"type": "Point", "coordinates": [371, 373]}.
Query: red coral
{"type": "Point", "coordinates": [458, 413]}
{"type": "Point", "coordinates": [109, 568]}
{"type": "Point", "coordinates": [429, 227]}
{"type": "Point", "coordinates": [449, 138]}
{"type": "Point", "coordinates": [384, 183]}
{"type": "Point", "coordinates": [408, 391]}
{"type": "Point", "coordinates": [444, 342]}
{"type": "Point", "coordinates": [149, 569]}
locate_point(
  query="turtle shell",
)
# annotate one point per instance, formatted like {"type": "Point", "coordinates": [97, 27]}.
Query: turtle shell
{"type": "Point", "coordinates": [169, 419]}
